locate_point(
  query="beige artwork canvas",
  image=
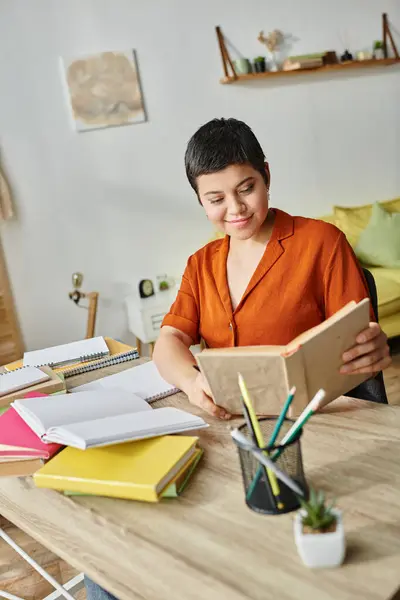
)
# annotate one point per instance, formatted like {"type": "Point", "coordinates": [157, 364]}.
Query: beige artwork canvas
{"type": "Point", "coordinates": [104, 90]}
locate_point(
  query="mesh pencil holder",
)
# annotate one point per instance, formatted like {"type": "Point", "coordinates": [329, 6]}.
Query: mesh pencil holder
{"type": "Point", "coordinates": [258, 485]}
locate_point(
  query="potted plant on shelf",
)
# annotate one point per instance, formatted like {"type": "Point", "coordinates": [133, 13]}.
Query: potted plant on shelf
{"type": "Point", "coordinates": [378, 50]}
{"type": "Point", "coordinates": [319, 533]}
{"type": "Point", "coordinates": [259, 64]}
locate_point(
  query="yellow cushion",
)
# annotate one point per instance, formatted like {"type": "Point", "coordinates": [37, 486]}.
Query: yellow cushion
{"type": "Point", "coordinates": [328, 219]}
{"type": "Point", "coordinates": [391, 325]}
{"type": "Point", "coordinates": [353, 220]}
{"type": "Point", "coordinates": [388, 286]}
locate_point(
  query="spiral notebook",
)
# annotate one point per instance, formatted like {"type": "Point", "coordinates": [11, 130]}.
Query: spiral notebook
{"type": "Point", "coordinates": [66, 354]}
{"type": "Point", "coordinates": [144, 380]}
{"type": "Point", "coordinates": [109, 361]}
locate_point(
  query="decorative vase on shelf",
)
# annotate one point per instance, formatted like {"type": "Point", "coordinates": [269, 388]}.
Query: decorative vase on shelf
{"type": "Point", "coordinates": [242, 66]}
{"type": "Point", "coordinates": [273, 62]}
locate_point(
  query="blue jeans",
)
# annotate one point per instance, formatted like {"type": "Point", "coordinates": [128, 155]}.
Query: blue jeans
{"type": "Point", "coordinates": [95, 592]}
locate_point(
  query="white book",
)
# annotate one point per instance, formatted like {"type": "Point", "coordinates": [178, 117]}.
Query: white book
{"type": "Point", "coordinates": [90, 419]}
{"type": "Point", "coordinates": [144, 380]}
{"type": "Point", "coordinates": [21, 379]}
{"type": "Point", "coordinates": [67, 354]}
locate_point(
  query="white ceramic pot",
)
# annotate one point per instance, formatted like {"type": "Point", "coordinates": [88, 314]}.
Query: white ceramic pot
{"type": "Point", "coordinates": [320, 550]}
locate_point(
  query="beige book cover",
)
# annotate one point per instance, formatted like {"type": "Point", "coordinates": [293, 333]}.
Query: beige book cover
{"type": "Point", "coordinates": [310, 362]}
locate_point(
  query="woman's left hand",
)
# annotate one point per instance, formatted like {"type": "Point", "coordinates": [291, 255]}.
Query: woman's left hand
{"type": "Point", "coordinates": [371, 353]}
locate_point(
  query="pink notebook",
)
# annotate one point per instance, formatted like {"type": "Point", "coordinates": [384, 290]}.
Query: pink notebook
{"type": "Point", "coordinates": [18, 439]}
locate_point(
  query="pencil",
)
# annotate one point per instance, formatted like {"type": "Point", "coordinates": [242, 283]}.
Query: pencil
{"type": "Point", "coordinates": [262, 472]}
{"type": "Point", "coordinates": [282, 416]}
{"type": "Point", "coordinates": [310, 409]}
{"type": "Point", "coordinates": [259, 439]}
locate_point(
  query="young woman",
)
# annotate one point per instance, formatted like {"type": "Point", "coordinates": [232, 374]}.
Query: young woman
{"type": "Point", "coordinates": [272, 277]}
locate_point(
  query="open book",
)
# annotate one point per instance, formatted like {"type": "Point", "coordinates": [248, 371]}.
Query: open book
{"type": "Point", "coordinates": [310, 362]}
{"type": "Point", "coordinates": [89, 419]}
{"type": "Point", "coordinates": [144, 381]}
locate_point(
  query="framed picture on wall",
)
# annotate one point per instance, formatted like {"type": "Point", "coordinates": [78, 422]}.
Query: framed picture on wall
{"type": "Point", "coordinates": [103, 90]}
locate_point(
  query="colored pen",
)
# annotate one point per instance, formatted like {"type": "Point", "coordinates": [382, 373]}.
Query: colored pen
{"type": "Point", "coordinates": [242, 441]}
{"type": "Point", "coordinates": [282, 416]}
{"type": "Point", "coordinates": [310, 409]}
{"type": "Point", "coordinates": [259, 439]}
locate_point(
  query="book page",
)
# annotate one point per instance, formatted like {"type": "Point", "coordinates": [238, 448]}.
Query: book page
{"type": "Point", "coordinates": [53, 411]}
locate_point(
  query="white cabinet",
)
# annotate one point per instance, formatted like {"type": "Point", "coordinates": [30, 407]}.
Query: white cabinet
{"type": "Point", "coordinates": [145, 315]}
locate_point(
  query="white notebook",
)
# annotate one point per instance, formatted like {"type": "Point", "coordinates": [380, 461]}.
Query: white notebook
{"type": "Point", "coordinates": [144, 380]}
{"type": "Point", "coordinates": [90, 419]}
{"type": "Point", "coordinates": [20, 379]}
{"type": "Point", "coordinates": [67, 354]}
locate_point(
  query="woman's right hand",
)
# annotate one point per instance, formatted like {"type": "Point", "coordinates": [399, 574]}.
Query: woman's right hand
{"type": "Point", "coordinates": [200, 395]}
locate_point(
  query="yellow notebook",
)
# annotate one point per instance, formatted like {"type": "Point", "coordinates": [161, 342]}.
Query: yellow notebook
{"type": "Point", "coordinates": [114, 347]}
{"type": "Point", "coordinates": [177, 485]}
{"type": "Point", "coordinates": [135, 471]}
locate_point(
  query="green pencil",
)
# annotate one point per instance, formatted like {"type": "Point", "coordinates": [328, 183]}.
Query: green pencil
{"type": "Point", "coordinates": [310, 409]}
{"type": "Point", "coordinates": [282, 416]}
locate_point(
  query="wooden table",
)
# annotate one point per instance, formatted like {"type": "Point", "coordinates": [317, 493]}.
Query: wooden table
{"type": "Point", "coordinates": [208, 545]}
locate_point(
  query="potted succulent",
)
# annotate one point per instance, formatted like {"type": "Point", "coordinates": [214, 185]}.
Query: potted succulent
{"type": "Point", "coordinates": [378, 49]}
{"type": "Point", "coordinates": [259, 64]}
{"type": "Point", "coordinates": [319, 533]}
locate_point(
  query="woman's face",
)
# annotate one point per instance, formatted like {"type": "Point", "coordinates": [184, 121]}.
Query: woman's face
{"type": "Point", "coordinates": [235, 200]}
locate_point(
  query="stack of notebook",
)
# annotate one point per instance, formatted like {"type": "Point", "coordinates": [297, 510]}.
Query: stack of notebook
{"type": "Point", "coordinates": [22, 452]}
{"type": "Point", "coordinates": [78, 357]}
{"type": "Point", "coordinates": [145, 470]}
{"type": "Point", "coordinates": [17, 384]}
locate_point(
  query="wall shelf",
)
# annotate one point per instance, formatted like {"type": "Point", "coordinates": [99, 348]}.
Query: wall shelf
{"type": "Point", "coordinates": [329, 66]}
{"type": "Point", "coordinates": [348, 66]}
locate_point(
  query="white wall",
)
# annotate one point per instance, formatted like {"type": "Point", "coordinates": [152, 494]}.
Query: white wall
{"type": "Point", "coordinates": [114, 203]}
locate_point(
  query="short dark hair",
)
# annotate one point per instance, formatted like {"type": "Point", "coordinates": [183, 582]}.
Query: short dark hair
{"type": "Point", "coordinates": [219, 144]}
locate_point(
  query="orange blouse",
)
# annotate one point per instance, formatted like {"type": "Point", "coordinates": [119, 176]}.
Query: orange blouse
{"type": "Point", "coordinates": [308, 272]}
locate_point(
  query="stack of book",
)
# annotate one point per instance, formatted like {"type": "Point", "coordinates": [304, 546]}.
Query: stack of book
{"type": "Point", "coordinates": [118, 445]}
{"type": "Point", "coordinates": [22, 452]}
{"type": "Point", "coordinates": [294, 63]}
{"type": "Point", "coordinates": [145, 470]}
{"type": "Point", "coordinates": [310, 61]}
{"type": "Point", "coordinates": [17, 384]}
